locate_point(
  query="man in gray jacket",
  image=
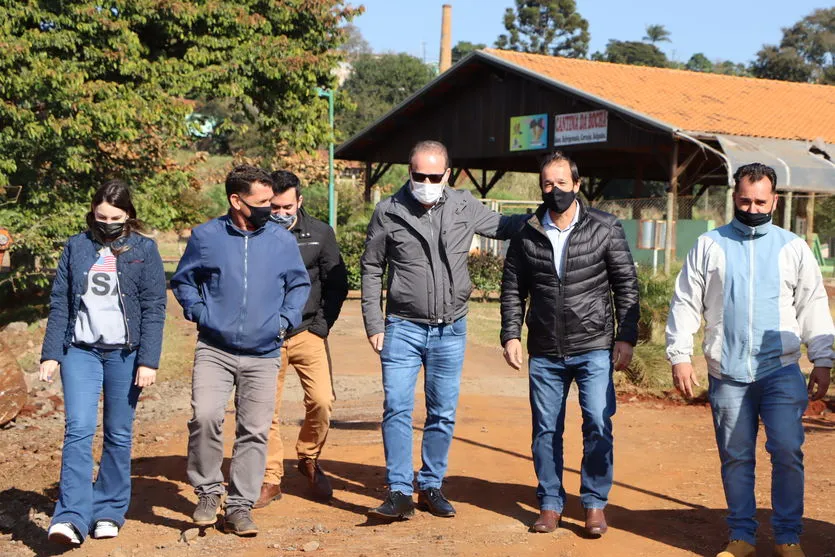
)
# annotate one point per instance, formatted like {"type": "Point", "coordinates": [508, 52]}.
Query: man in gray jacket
{"type": "Point", "coordinates": [422, 234]}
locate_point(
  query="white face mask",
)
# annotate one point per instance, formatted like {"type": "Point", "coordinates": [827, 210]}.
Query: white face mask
{"type": "Point", "coordinates": [427, 194]}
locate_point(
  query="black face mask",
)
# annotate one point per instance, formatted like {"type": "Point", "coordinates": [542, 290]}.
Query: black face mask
{"type": "Point", "coordinates": [751, 219]}
{"type": "Point", "coordinates": [258, 216]}
{"type": "Point", "coordinates": [110, 230]}
{"type": "Point", "coordinates": [558, 200]}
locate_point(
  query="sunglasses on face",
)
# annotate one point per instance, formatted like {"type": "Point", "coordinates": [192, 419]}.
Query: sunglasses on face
{"type": "Point", "coordinates": [433, 178]}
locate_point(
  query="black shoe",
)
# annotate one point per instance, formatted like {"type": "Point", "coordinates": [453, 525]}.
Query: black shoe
{"type": "Point", "coordinates": [433, 500]}
{"type": "Point", "coordinates": [397, 505]}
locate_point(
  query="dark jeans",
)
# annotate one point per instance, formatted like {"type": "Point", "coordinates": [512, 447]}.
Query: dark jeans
{"type": "Point", "coordinates": [550, 379]}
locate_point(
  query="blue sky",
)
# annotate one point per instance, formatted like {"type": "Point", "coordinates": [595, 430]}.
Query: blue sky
{"type": "Point", "coordinates": [721, 29]}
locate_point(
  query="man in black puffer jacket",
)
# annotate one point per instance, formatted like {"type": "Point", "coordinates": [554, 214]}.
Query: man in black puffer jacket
{"type": "Point", "coordinates": [572, 262]}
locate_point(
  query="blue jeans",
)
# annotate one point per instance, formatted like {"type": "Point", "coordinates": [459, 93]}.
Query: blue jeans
{"type": "Point", "coordinates": [84, 373]}
{"type": "Point", "coordinates": [440, 349]}
{"type": "Point", "coordinates": [780, 400]}
{"type": "Point", "coordinates": [550, 379]}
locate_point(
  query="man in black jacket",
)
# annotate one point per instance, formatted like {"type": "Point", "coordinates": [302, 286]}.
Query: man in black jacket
{"type": "Point", "coordinates": [306, 346]}
{"type": "Point", "coordinates": [571, 261]}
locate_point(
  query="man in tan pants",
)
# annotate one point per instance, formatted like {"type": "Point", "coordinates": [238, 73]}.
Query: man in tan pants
{"type": "Point", "coordinates": [305, 347]}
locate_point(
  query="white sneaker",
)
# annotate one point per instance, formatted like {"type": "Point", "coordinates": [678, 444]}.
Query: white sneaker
{"type": "Point", "coordinates": [64, 533]}
{"type": "Point", "coordinates": [105, 529]}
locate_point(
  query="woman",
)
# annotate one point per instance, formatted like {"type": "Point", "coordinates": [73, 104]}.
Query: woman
{"type": "Point", "coordinates": [106, 315]}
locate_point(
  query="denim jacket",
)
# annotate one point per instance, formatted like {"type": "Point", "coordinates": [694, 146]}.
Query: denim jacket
{"type": "Point", "coordinates": [141, 281]}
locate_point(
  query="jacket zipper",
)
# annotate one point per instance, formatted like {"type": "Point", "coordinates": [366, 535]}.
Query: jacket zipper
{"type": "Point", "coordinates": [122, 304]}
{"type": "Point", "coordinates": [246, 283]}
{"type": "Point", "coordinates": [751, 307]}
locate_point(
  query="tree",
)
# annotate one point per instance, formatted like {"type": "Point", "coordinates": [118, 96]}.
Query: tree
{"type": "Point", "coordinates": [634, 53]}
{"type": "Point", "coordinates": [547, 27]}
{"type": "Point", "coordinates": [657, 34]}
{"type": "Point", "coordinates": [806, 52]}
{"type": "Point", "coordinates": [462, 48]}
{"type": "Point", "coordinates": [699, 63]}
{"type": "Point", "coordinates": [378, 83]}
{"type": "Point", "coordinates": [89, 93]}
{"type": "Point", "coordinates": [355, 44]}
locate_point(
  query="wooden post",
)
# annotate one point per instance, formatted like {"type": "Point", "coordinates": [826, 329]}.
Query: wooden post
{"type": "Point", "coordinates": [810, 219]}
{"type": "Point", "coordinates": [671, 207]}
{"type": "Point", "coordinates": [729, 204]}
{"type": "Point", "coordinates": [787, 211]}
{"type": "Point", "coordinates": [366, 195]}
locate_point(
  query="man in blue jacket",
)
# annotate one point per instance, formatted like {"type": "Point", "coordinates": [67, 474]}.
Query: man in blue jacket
{"type": "Point", "coordinates": [243, 281]}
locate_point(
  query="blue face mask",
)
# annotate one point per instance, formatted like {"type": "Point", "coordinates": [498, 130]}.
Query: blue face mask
{"type": "Point", "coordinates": [283, 220]}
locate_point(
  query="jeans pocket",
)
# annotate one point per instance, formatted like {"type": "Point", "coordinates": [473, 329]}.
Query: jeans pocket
{"type": "Point", "coordinates": [459, 327]}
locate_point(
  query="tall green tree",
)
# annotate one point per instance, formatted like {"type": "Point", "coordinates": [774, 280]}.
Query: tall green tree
{"type": "Point", "coordinates": [699, 63]}
{"type": "Point", "coordinates": [634, 53]}
{"type": "Point", "coordinates": [89, 92]}
{"type": "Point", "coordinates": [657, 34]}
{"type": "Point", "coordinates": [462, 48]}
{"type": "Point", "coordinates": [806, 52]}
{"type": "Point", "coordinates": [377, 84]}
{"type": "Point", "coordinates": [552, 27]}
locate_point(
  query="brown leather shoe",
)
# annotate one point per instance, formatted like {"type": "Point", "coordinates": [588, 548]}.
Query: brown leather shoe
{"type": "Point", "coordinates": [269, 493]}
{"type": "Point", "coordinates": [318, 482]}
{"type": "Point", "coordinates": [596, 522]}
{"type": "Point", "coordinates": [547, 522]}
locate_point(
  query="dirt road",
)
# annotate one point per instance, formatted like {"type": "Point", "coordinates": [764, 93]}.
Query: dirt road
{"type": "Point", "coordinates": [667, 499]}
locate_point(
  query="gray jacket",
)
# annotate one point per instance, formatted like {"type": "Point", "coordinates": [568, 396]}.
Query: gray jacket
{"type": "Point", "coordinates": [426, 255]}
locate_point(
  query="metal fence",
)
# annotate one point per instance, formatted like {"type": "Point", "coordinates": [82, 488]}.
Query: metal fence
{"type": "Point", "coordinates": [715, 204]}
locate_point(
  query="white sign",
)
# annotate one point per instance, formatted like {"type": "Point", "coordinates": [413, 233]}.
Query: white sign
{"type": "Point", "coordinates": [581, 127]}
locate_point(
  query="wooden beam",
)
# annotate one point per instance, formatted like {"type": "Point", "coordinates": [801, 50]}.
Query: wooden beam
{"type": "Point", "coordinates": [453, 176]}
{"type": "Point", "coordinates": [373, 175]}
{"type": "Point", "coordinates": [671, 207]}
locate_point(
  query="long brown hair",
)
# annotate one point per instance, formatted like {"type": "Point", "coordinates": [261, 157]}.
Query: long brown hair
{"type": "Point", "coordinates": [116, 193]}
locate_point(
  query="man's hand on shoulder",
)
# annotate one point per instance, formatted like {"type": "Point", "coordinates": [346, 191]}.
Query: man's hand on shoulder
{"type": "Point", "coordinates": [819, 382]}
{"type": "Point", "coordinates": [684, 378]}
{"type": "Point", "coordinates": [513, 353]}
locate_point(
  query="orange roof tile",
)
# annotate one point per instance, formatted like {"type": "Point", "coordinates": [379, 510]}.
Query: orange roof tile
{"type": "Point", "coordinates": [694, 101]}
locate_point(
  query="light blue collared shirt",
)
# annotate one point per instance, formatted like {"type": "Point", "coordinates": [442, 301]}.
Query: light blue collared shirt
{"type": "Point", "coordinates": [559, 237]}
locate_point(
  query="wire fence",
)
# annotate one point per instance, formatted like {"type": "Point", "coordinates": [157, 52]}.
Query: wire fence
{"type": "Point", "coordinates": [714, 205]}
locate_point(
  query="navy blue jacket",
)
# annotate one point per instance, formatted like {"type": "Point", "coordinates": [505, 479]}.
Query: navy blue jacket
{"type": "Point", "coordinates": [242, 288]}
{"type": "Point", "coordinates": [142, 285]}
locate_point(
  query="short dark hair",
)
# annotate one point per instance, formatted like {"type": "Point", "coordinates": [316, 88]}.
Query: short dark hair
{"type": "Point", "coordinates": [283, 180]}
{"type": "Point", "coordinates": [755, 172]}
{"type": "Point", "coordinates": [558, 156]}
{"type": "Point", "coordinates": [429, 146]}
{"type": "Point", "coordinates": [241, 178]}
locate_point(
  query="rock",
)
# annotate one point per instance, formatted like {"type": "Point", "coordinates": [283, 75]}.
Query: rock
{"type": "Point", "coordinates": [320, 529]}
{"type": "Point", "coordinates": [13, 391]}
{"type": "Point", "coordinates": [159, 438]}
{"type": "Point", "coordinates": [40, 519]}
{"type": "Point", "coordinates": [274, 546]}
{"type": "Point", "coordinates": [16, 327]}
{"type": "Point", "coordinates": [815, 408]}
{"type": "Point", "coordinates": [190, 535]}
{"type": "Point", "coordinates": [310, 546]}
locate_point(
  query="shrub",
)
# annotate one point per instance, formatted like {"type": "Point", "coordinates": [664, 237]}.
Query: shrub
{"type": "Point", "coordinates": [486, 272]}
{"type": "Point", "coordinates": [654, 294]}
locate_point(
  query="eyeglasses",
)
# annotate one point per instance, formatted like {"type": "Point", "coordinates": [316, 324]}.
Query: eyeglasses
{"type": "Point", "coordinates": [420, 177]}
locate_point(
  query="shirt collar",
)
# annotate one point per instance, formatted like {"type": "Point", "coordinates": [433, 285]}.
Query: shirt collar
{"type": "Point", "coordinates": [547, 223]}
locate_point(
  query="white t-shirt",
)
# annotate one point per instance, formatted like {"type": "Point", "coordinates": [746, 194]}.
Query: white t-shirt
{"type": "Point", "coordinates": [100, 320]}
